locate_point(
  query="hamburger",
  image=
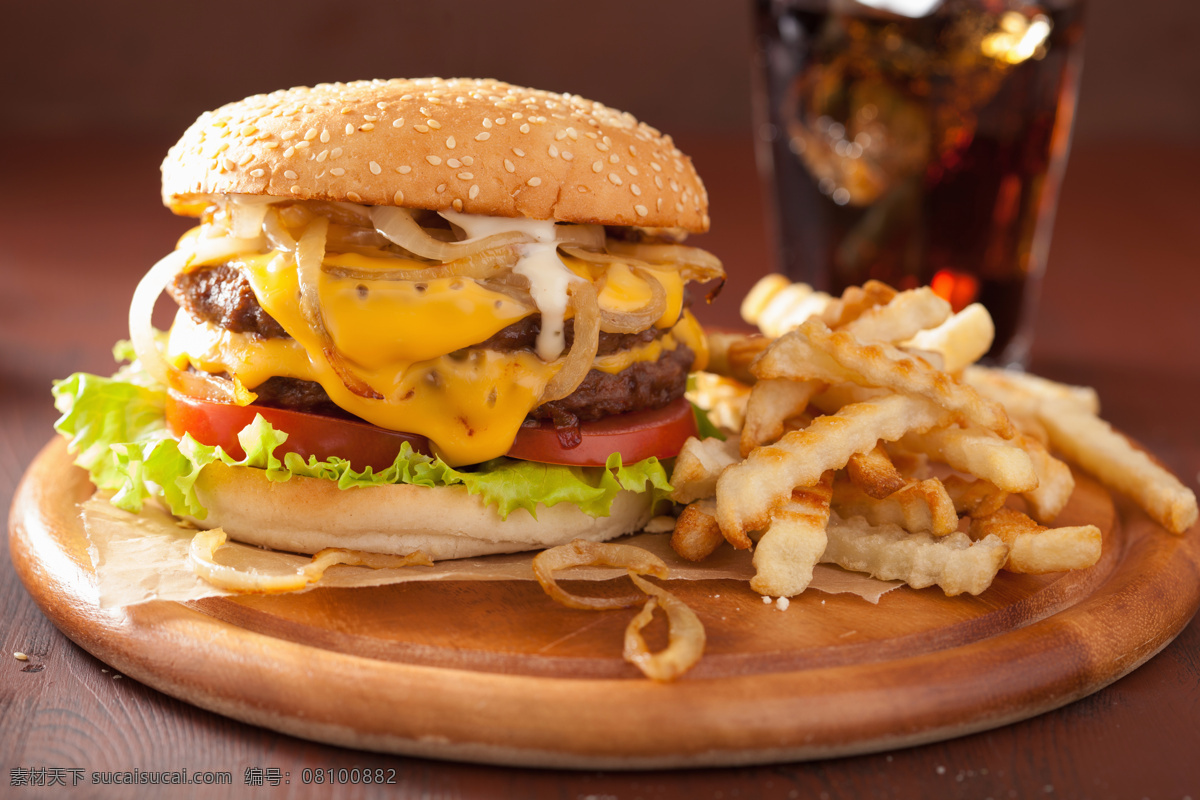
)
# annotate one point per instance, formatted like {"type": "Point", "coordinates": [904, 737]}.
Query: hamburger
{"type": "Point", "coordinates": [439, 315]}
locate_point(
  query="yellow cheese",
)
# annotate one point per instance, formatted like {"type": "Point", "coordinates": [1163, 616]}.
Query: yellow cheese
{"type": "Point", "coordinates": [408, 342]}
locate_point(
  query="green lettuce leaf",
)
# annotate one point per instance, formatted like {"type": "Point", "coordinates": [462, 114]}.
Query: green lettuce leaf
{"type": "Point", "coordinates": [116, 429]}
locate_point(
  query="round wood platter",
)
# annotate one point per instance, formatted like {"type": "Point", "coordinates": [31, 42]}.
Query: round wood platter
{"type": "Point", "coordinates": [496, 672]}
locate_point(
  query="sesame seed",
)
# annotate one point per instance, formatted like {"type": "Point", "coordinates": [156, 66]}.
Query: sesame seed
{"type": "Point", "coordinates": [346, 110]}
{"type": "Point", "coordinates": [467, 161]}
{"type": "Point", "coordinates": [631, 169]}
{"type": "Point", "coordinates": [474, 192]}
{"type": "Point", "coordinates": [508, 165]}
{"type": "Point", "coordinates": [370, 118]}
{"type": "Point", "coordinates": [637, 190]}
{"type": "Point", "coordinates": [553, 151]}
{"type": "Point", "coordinates": [654, 165]}
{"type": "Point", "coordinates": [19, 656]}
{"type": "Point", "coordinates": [674, 185]}
{"type": "Point", "coordinates": [256, 173]}
{"type": "Point", "coordinates": [453, 162]}
{"type": "Point", "coordinates": [567, 155]}
{"type": "Point", "coordinates": [641, 210]}
{"type": "Point", "coordinates": [398, 122]}
{"type": "Point", "coordinates": [679, 207]}
{"type": "Point", "coordinates": [524, 127]}
{"type": "Point", "coordinates": [614, 159]}
{"type": "Point", "coordinates": [337, 172]}
{"type": "Point", "coordinates": [614, 178]}
{"type": "Point", "coordinates": [534, 181]}
{"type": "Point", "coordinates": [597, 166]}
{"type": "Point", "coordinates": [483, 136]}
{"type": "Point", "coordinates": [632, 150]}
{"type": "Point", "coordinates": [450, 142]}
{"type": "Point", "coordinates": [501, 121]}
{"type": "Point", "coordinates": [441, 187]}
{"type": "Point", "coordinates": [325, 136]}
{"type": "Point", "coordinates": [321, 156]}
{"type": "Point", "coordinates": [272, 145]}
{"type": "Point", "coordinates": [294, 189]}
{"type": "Point", "coordinates": [310, 134]}
{"type": "Point", "coordinates": [434, 160]}
{"type": "Point", "coordinates": [487, 123]}
{"type": "Point", "coordinates": [335, 152]}
{"type": "Point", "coordinates": [518, 115]}
{"type": "Point", "coordinates": [433, 123]}
{"type": "Point", "coordinates": [354, 197]}
{"type": "Point", "coordinates": [367, 126]}
{"type": "Point", "coordinates": [375, 168]}
{"type": "Point", "coordinates": [659, 204]}
{"type": "Point", "coordinates": [520, 153]}
{"type": "Point", "coordinates": [457, 203]}
{"type": "Point", "coordinates": [302, 145]}
{"type": "Point", "coordinates": [558, 137]}
{"type": "Point", "coordinates": [404, 169]}
{"type": "Point", "coordinates": [465, 176]}
{"type": "Point", "coordinates": [602, 147]}
{"type": "Point", "coordinates": [290, 175]}
{"type": "Point", "coordinates": [398, 197]}
{"type": "Point", "coordinates": [658, 181]}
{"type": "Point", "coordinates": [421, 128]}
{"type": "Point", "coordinates": [349, 129]}
{"type": "Point", "coordinates": [286, 154]}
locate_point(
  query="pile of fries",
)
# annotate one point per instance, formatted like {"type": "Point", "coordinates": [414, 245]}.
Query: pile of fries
{"type": "Point", "coordinates": [864, 435]}
{"type": "Point", "coordinates": [870, 440]}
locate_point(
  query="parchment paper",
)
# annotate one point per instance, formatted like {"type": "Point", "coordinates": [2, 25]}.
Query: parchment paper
{"type": "Point", "coordinates": [144, 557]}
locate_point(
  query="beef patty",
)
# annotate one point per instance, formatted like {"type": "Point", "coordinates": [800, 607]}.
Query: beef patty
{"type": "Point", "coordinates": [221, 295]}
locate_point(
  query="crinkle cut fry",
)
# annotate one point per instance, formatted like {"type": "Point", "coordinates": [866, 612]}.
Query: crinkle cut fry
{"type": "Point", "coordinates": [814, 352]}
{"type": "Point", "coordinates": [789, 549]}
{"type": "Point", "coordinates": [874, 473]}
{"type": "Point", "coordinates": [731, 354]}
{"type": "Point", "coordinates": [920, 507]}
{"type": "Point", "coordinates": [697, 533]}
{"type": "Point", "coordinates": [903, 317]}
{"type": "Point", "coordinates": [856, 301]}
{"type": "Point", "coordinates": [697, 467]}
{"type": "Point", "coordinates": [978, 453]}
{"type": "Point", "coordinates": [888, 552]}
{"type": "Point", "coordinates": [770, 404]}
{"type": "Point", "coordinates": [1093, 444]}
{"type": "Point", "coordinates": [748, 491]}
{"type": "Point", "coordinates": [1035, 550]}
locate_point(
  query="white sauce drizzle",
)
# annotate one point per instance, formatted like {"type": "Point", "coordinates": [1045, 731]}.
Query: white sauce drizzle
{"type": "Point", "coordinates": [539, 263]}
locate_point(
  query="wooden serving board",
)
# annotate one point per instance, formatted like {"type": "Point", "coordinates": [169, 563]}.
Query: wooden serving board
{"type": "Point", "coordinates": [496, 672]}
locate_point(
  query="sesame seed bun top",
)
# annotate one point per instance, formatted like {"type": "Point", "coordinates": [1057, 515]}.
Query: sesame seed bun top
{"type": "Point", "coordinates": [477, 146]}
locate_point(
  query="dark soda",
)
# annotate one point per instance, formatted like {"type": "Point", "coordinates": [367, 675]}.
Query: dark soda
{"type": "Point", "coordinates": [919, 150]}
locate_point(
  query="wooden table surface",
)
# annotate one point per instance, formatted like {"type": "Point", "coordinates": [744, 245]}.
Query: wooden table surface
{"type": "Point", "coordinates": [80, 221]}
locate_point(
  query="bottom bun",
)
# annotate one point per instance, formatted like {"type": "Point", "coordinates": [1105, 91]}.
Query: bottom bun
{"type": "Point", "coordinates": [304, 515]}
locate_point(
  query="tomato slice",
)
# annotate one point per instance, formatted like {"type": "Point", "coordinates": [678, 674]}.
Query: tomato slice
{"type": "Point", "coordinates": [658, 432]}
{"type": "Point", "coordinates": [637, 435]}
{"type": "Point", "coordinates": [363, 444]}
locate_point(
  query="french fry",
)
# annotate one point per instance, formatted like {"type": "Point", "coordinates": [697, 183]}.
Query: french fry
{"type": "Point", "coordinates": [888, 552]}
{"type": "Point", "coordinates": [1093, 444]}
{"type": "Point", "coordinates": [730, 354]}
{"type": "Point", "coordinates": [979, 453]}
{"type": "Point", "coordinates": [776, 306]}
{"type": "Point", "coordinates": [772, 402]}
{"type": "Point", "coordinates": [874, 473]}
{"type": "Point", "coordinates": [789, 549]}
{"type": "Point", "coordinates": [1055, 481]}
{"type": "Point", "coordinates": [904, 316]}
{"type": "Point", "coordinates": [696, 533]}
{"type": "Point", "coordinates": [973, 498]}
{"type": "Point", "coordinates": [1035, 550]}
{"type": "Point", "coordinates": [748, 491]}
{"type": "Point", "coordinates": [1024, 393]}
{"type": "Point", "coordinates": [920, 507]}
{"type": "Point", "coordinates": [854, 302]}
{"type": "Point", "coordinates": [814, 352]}
{"type": "Point", "coordinates": [723, 398]}
{"type": "Point", "coordinates": [959, 341]}
{"type": "Point", "coordinates": [697, 467]}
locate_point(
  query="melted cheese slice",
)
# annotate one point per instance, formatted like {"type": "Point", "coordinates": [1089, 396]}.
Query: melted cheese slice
{"type": "Point", "coordinates": [409, 342]}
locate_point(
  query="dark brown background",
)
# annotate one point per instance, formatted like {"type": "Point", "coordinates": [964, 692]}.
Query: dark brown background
{"type": "Point", "coordinates": [92, 94]}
